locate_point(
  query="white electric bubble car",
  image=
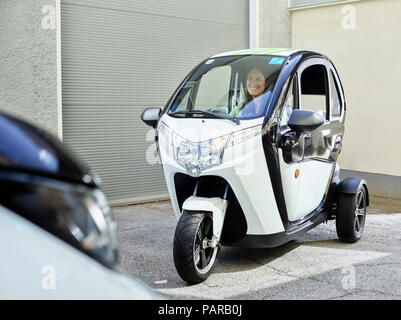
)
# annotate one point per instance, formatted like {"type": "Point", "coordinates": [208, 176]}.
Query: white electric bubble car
{"type": "Point", "coordinates": [249, 145]}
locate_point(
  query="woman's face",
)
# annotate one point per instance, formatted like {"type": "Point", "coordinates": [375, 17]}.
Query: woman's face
{"type": "Point", "coordinates": [255, 82]}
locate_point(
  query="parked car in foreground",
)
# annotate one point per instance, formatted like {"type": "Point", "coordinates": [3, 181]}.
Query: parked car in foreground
{"type": "Point", "coordinates": [57, 233]}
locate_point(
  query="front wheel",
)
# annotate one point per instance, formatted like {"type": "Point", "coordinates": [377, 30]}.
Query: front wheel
{"type": "Point", "coordinates": [351, 215]}
{"type": "Point", "coordinates": [194, 257]}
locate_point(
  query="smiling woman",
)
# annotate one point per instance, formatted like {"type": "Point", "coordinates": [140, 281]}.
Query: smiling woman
{"type": "Point", "coordinates": [255, 101]}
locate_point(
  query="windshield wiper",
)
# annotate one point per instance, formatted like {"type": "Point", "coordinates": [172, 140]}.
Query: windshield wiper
{"type": "Point", "coordinates": [214, 115]}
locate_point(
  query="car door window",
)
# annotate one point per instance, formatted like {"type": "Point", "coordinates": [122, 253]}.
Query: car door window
{"type": "Point", "coordinates": [289, 104]}
{"type": "Point", "coordinates": [335, 101]}
{"type": "Point", "coordinates": [314, 91]}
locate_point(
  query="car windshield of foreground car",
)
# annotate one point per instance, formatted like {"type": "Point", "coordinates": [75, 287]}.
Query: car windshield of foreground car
{"type": "Point", "coordinates": [233, 88]}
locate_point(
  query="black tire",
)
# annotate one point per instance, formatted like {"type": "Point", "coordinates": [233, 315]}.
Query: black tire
{"type": "Point", "coordinates": [351, 216]}
{"type": "Point", "coordinates": [188, 248]}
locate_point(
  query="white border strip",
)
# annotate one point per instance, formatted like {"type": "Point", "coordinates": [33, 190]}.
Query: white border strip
{"type": "Point", "coordinates": [253, 24]}
{"type": "Point", "coordinates": [59, 84]}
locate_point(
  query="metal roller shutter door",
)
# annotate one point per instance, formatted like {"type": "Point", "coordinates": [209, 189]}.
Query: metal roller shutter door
{"type": "Point", "coordinates": [121, 56]}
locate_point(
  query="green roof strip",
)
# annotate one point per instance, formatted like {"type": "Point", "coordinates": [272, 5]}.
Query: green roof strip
{"type": "Point", "coordinates": [261, 51]}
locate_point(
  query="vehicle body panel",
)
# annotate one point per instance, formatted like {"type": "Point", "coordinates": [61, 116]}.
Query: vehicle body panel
{"type": "Point", "coordinates": [38, 265]}
{"type": "Point", "coordinates": [238, 168]}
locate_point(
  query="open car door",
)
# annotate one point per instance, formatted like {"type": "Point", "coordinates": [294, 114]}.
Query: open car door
{"type": "Point", "coordinates": [307, 164]}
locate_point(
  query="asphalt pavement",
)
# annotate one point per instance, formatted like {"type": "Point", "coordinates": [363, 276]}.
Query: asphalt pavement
{"type": "Point", "coordinates": [315, 266]}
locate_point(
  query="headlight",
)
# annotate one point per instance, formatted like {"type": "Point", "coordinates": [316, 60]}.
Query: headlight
{"type": "Point", "coordinates": [198, 156]}
{"type": "Point", "coordinates": [86, 215]}
{"type": "Point", "coordinates": [76, 214]}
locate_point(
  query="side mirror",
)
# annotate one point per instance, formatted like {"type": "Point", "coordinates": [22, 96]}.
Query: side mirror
{"type": "Point", "coordinates": [304, 121]}
{"type": "Point", "coordinates": [151, 115]}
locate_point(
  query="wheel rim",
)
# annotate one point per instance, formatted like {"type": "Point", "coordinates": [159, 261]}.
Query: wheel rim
{"type": "Point", "coordinates": [203, 254]}
{"type": "Point", "coordinates": [360, 212]}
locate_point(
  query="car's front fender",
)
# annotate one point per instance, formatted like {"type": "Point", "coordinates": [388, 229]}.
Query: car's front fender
{"type": "Point", "coordinates": [216, 206]}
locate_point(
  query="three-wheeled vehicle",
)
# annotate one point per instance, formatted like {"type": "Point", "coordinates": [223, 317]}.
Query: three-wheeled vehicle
{"type": "Point", "coordinates": [249, 144]}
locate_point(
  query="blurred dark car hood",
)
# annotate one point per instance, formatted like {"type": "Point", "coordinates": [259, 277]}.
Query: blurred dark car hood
{"type": "Point", "coordinates": [27, 148]}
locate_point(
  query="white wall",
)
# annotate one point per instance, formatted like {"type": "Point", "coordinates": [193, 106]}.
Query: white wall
{"type": "Point", "coordinates": [28, 61]}
{"type": "Point", "coordinates": [367, 54]}
{"type": "Point", "coordinates": [274, 24]}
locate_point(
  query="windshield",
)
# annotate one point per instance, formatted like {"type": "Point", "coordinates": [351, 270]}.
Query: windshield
{"type": "Point", "coordinates": [235, 86]}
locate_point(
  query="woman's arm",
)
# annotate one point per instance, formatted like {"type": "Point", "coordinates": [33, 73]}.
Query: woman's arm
{"type": "Point", "coordinates": [236, 110]}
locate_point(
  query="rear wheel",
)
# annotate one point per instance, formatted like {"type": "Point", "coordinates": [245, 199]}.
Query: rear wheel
{"type": "Point", "coordinates": [194, 257]}
{"type": "Point", "coordinates": [351, 215]}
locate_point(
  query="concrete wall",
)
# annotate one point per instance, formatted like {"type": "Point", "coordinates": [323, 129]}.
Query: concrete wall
{"type": "Point", "coordinates": [362, 39]}
{"type": "Point", "coordinates": [274, 24]}
{"type": "Point", "coordinates": [28, 61]}
{"type": "Point", "coordinates": [381, 185]}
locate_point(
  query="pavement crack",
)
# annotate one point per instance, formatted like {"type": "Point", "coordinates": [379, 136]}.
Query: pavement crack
{"type": "Point", "coordinates": [345, 295]}
{"type": "Point", "coordinates": [281, 272]}
{"type": "Point", "coordinates": [396, 296]}
{"type": "Point", "coordinates": [266, 265]}
{"type": "Point", "coordinates": [380, 264]}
